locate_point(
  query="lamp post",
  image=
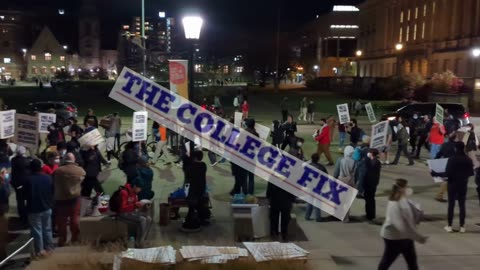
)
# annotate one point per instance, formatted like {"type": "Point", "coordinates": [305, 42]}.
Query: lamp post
{"type": "Point", "coordinates": [192, 26]}
{"type": "Point", "coordinates": [398, 48]}
{"type": "Point", "coordinates": [359, 54]}
{"type": "Point", "coordinates": [316, 68]}
{"type": "Point", "coordinates": [144, 49]}
{"type": "Point", "coordinates": [475, 54]}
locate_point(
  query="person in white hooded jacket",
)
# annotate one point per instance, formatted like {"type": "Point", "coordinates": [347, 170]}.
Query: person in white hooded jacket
{"type": "Point", "coordinates": [345, 170]}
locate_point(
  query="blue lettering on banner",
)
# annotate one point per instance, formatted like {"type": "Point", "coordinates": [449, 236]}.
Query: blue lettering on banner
{"type": "Point", "coordinates": [334, 193]}
{"type": "Point", "coordinates": [219, 130]}
{"type": "Point", "coordinates": [285, 163]}
{"type": "Point", "coordinates": [151, 94]}
{"type": "Point", "coordinates": [199, 120]}
{"type": "Point", "coordinates": [250, 144]}
{"type": "Point", "coordinates": [321, 183]}
{"type": "Point", "coordinates": [306, 177]}
{"type": "Point", "coordinates": [232, 139]}
{"type": "Point", "coordinates": [269, 161]}
{"type": "Point", "coordinates": [164, 101]}
{"type": "Point", "coordinates": [132, 79]}
{"type": "Point", "coordinates": [181, 113]}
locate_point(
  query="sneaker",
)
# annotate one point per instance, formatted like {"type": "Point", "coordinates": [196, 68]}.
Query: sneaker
{"type": "Point", "coordinates": [448, 229]}
{"type": "Point", "coordinates": [463, 230]}
{"type": "Point", "coordinates": [214, 164]}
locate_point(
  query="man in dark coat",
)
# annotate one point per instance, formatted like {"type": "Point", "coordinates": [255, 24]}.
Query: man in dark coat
{"type": "Point", "coordinates": [20, 172]}
{"type": "Point", "coordinates": [280, 207]}
{"type": "Point", "coordinates": [371, 180]}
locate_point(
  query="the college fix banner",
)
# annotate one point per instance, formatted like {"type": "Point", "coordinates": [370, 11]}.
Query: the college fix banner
{"type": "Point", "coordinates": [233, 143]}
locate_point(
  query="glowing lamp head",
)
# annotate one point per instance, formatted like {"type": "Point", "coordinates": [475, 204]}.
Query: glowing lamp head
{"type": "Point", "coordinates": [192, 26]}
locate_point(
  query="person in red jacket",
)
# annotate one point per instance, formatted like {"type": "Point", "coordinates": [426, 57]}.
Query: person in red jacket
{"type": "Point", "coordinates": [53, 161]}
{"type": "Point", "coordinates": [245, 109]}
{"type": "Point", "coordinates": [129, 215]}
{"type": "Point", "coordinates": [324, 141]}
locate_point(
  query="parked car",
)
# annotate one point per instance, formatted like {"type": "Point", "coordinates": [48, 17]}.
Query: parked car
{"type": "Point", "coordinates": [457, 110]}
{"type": "Point", "coordinates": [63, 110]}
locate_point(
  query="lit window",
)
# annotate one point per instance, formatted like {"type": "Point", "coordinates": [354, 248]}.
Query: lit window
{"type": "Point", "coordinates": [434, 5]}
{"type": "Point", "coordinates": [408, 15]}
{"type": "Point", "coordinates": [401, 16]}
{"type": "Point", "coordinates": [415, 32]}
{"type": "Point", "coordinates": [48, 57]}
{"type": "Point", "coordinates": [416, 12]}
{"type": "Point", "coordinates": [34, 70]}
{"type": "Point", "coordinates": [401, 35]}
{"type": "Point", "coordinates": [7, 60]}
{"type": "Point", "coordinates": [198, 68]}
{"type": "Point", "coordinates": [345, 8]}
{"type": "Point", "coordinates": [424, 10]}
{"type": "Point", "coordinates": [423, 30]}
{"type": "Point", "coordinates": [408, 33]}
{"type": "Point", "coordinates": [225, 69]}
{"type": "Point", "coordinates": [62, 58]}
{"type": "Point", "coordinates": [44, 70]}
{"type": "Point", "coordinates": [33, 57]}
{"type": "Point", "coordinates": [238, 69]}
{"type": "Point", "coordinates": [126, 27]}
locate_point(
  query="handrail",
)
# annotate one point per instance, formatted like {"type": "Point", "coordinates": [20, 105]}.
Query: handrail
{"type": "Point", "coordinates": [16, 252]}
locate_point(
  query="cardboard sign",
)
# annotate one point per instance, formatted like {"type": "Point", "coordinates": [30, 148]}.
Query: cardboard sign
{"type": "Point", "coordinates": [379, 135]}
{"type": "Point", "coordinates": [343, 113]}
{"type": "Point", "coordinates": [91, 138]}
{"type": "Point", "coordinates": [240, 147]}
{"type": "Point", "coordinates": [370, 113]}
{"type": "Point", "coordinates": [438, 166]}
{"type": "Point", "coordinates": [140, 126]}
{"type": "Point", "coordinates": [238, 119]}
{"type": "Point", "coordinates": [263, 131]}
{"type": "Point", "coordinates": [7, 124]}
{"type": "Point", "coordinates": [26, 133]}
{"type": "Point", "coordinates": [45, 120]}
{"type": "Point", "coordinates": [439, 112]}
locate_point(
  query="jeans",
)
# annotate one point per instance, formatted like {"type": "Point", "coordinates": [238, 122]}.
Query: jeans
{"type": "Point", "coordinates": [402, 148]}
{"type": "Point", "coordinates": [41, 230]}
{"type": "Point", "coordinates": [251, 183]}
{"type": "Point", "coordinates": [68, 213]}
{"type": "Point", "coordinates": [393, 248]}
{"type": "Point", "coordinates": [434, 149]}
{"type": "Point", "coordinates": [342, 136]}
{"type": "Point", "coordinates": [457, 192]}
{"type": "Point", "coordinates": [310, 209]}
{"type": "Point", "coordinates": [142, 224]}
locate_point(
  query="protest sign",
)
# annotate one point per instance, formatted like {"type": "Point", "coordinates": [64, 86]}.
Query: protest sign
{"type": "Point", "coordinates": [343, 113]}
{"type": "Point", "coordinates": [439, 112]}
{"type": "Point", "coordinates": [263, 131]}
{"type": "Point", "coordinates": [438, 166]}
{"type": "Point", "coordinates": [239, 146]}
{"type": "Point", "coordinates": [379, 135]}
{"type": "Point", "coordinates": [370, 113]}
{"type": "Point", "coordinates": [26, 132]}
{"type": "Point", "coordinates": [45, 120]}
{"type": "Point", "coordinates": [238, 119]}
{"type": "Point", "coordinates": [140, 126]}
{"type": "Point", "coordinates": [7, 124]}
{"type": "Point", "coordinates": [91, 138]}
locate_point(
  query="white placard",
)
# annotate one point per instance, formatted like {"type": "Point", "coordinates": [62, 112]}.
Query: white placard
{"type": "Point", "coordinates": [378, 139]}
{"type": "Point", "coordinates": [91, 138]}
{"type": "Point", "coordinates": [261, 221]}
{"type": "Point", "coordinates": [7, 124]}
{"type": "Point", "coordinates": [438, 166]}
{"type": "Point", "coordinates": [238, 119]}
{"type": "Point", "coordinates": [45, 120]}
{"type": "Point", "coordinates": [140, 126]}
{"type": "Point", "coordinates": [343, 113]}
{"type": "Point", "coordinates": [239, 146]}
{"type": "Point", "coordinates": [439, 113]}
{"type": "Point", "coordinates": [26, 133]}
{"type": "Point", "coordinates": [263, 131]}
{"type": "Point", "coordinates": [370, 113]}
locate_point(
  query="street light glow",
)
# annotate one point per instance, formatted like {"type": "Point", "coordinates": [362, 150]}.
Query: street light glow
{"type": "Point", "coordinates": [162, 14]}
{"type": "Point", "coordinates": [476, 52]}
{"type": "Point", "coordinates": [399, 46]}
{"type": "Point", "coordinates": [65, 47]}
{"type": "Point", "coordinates": [359, 53]}
{"type": "Point", "coordinates": [24, 50]}
{"type": "Point", "coordinates": [192, 26]}
{"type": "Point", "coordinates": [315, 67]}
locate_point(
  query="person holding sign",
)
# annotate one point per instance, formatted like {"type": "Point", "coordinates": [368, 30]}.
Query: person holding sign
{"type": "Point", "coordinates": [403, 137]}
{"type": "Point", "coordinates": [436, 137]}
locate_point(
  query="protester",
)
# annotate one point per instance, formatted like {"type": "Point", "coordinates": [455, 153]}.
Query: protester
{"type": "Point", "coordinates": [311, 112]}
{"type": "Point", "coordinates": [280, 207]}
{"type": "Point", "coordinates": [39, 193]}
{"type": "Point", "coordinates": [284, 109]}
{"type": "Point", "coordinates": [72, 148]}
{"type": "Point", "coordinates": [128, 163]}
{"type": "Point", "coordinates": [216, 102]}
{"type": "Point", "coordinates": [360, 155]}
{"type": "Point", "coordinates": [110, 134]}
{"type": "Point", "coordinates": [161, 147]}
{"type": "Point", "coordinates": [240, 175]}
{"type": "Point", "coordinates": [5, 153]}
{"type": "Point", "coordinates": [310, 208]}
{"type": "Point", "coordinates": [345, 170]}
{"type": "Point", "coordinates": [90, 116]}
{"type": "Point", "coordinates": [20, 172]}
{"type": "Point", "coordinates": [303, 110]}
{"type": "Point", "coordinates": [414, 124]}
{"type": "Point", "coordinates": [297, 150]}
{"type": "Point", "coordinates": [75, 131]}
{"type": "Point", "coordinates": [436, 138]}
{"type": "Point", "coordinates": [67, 180]}
{"type": "Point", "coordinates": [53, 161]}
{"type": "Point", "coordinates": [90, 125]}
{"type": "Point", "coordinates": [385, 150]}
{"type": "Point", "coordinates": [423, 129]}
{"type": "Point", "coordinates": [55, 134]}
{"type": "Point", "coordinates": [127, 212]}
{"type": "Point", "coordinates": [115, 128]}
{"type": "Point", "coordinates": [93, 161]}
{"type": "Point", "coordinates": [471, 148]}
{"type": "Point", "coordinates": [250, 124]}
{"type": "Point", "coordinates": [145, 180]}
{"type": "Point", "coordinates": [357, 106]}
{"type": "Point", "coordinates": [447, 150]}
{"type": "Point", "coordinates": [355, 132]}
{"type": "Point", "coordinates": [277, 134]}
{"type": "Point", "coordinates": [290, 128]}
{"type": "Point", "coordinates": [402, 135]}
{"type": "Point", "coordinates": [245, 109]}
{"type": "Point", "coordinates": [323, 140]}
{"type": "Point", "coordinates": [370, 183]}
{"type": "Point", "coordinates": [399, 229]}
{"type": "Point", "coordinates": [4, 194]}
{"type": "Point", "coordinates": [342, 135]}
{"type": "Point", "coordinates": [62, 151]}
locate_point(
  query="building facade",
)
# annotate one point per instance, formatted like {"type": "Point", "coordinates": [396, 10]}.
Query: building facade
{"type": "Point", "coordinates": [89, 35]}
{"type": "Point", "coordinates": [12, 43]}
{"type": "Point", "coordinates": [418, 36]}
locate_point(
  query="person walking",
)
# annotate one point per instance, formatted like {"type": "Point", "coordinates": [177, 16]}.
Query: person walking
{"type": "Point", "coordinates": [280, 208]}
{"type": "Point", "coordinates": [355, 132]}
{"type": "Point", "coordinates": [39, 193]}
{"type": "Point", "coordinates": [110, 134]}
{"type": "Point", "coordinates": [161, 147]}
{"type": "Point", "coordinates": [245, 109]}
{"type": "Point", "coordinates": [385, 150]}
{"type": "Point", "coordinates": [297, 150]}
{"type": "Point", "coordinates": [315, 158]}
{"type": "Point", "coordinates": [357, 106]}
{"type": "Point", "coordinates": [284, 109]}
{"type": "Point", "coordinates": [67, 180]}
{"type": "Point", "coordinates": [323, 140]}
{"type": "Point", "coordinates": [447, 150]}
{"type": "Point", "coordinates": [90, 116]}
{"type": "Point", "coordinates": [20, 171]}
{"type": "Point", "coordinates": [402, 135]}
{"type": "Point", "coordinates": [303, 110]}
{"type": "Point", "coordinates": [414, 125]}
{"type": "Point", "coordinates": [128, 163]}
{"type": "Point", "coordinates": [423, 129]}
{"type": "Point", "coordinates": [93, 161]}
{"type": "Point", "coordinates": [372, 179]}
{"type": "Point", "coordinates": [399, 229]}
{"type": "Point", "coordinates": [436, 137]}
{"type": "Point", "coordinates": [290, 129]}
{"type": "Point", "coordinates": [345, 170]}
{"type": "Point", "coordinates": [277, 134]}
{"type": "Point", "coordinates": [342, 135]}
{"type": "Point", "coordinates": [311, 112]}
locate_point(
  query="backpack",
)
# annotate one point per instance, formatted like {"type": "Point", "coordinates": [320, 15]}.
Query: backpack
{"type": "Point", "coordinates": [357, 154]}
{"type": "Point", "coordinates": [115, 202]}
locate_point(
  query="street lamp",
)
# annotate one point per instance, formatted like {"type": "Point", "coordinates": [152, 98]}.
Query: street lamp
{"type": "Point", "coordinates": [476, 54]}
{"type": "Point", "coordinates": [316, 68]}
{"type": "Point", "coordinates": [359, 53]}
{"type": "Point", "coordinates": [193, 27]}
{"type": "Point", "coordinates": [398, 48]}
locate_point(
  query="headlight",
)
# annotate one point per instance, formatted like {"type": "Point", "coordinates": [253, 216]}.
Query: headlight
{"type": "Point", "coordinates": [391, 118]}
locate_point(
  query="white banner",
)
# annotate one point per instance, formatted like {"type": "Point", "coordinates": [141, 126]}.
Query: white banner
{"type": "Point", "coordinates": [45, 120]}
{"type": "Point", "coordinates": [251, 153]}
{"type": "Point", "coordinates": [439, 113]}
{"type": "Point", "coordinates": [26, 132]}
{"type": "Point", "coordinates": [91, 138]}
{"type": "Point", "coordinates": [370, 113]}
{"type": "Point", "coordinates": [378, 139]}
{"type": "Point", "coordinates": [140, 126]}
{"type": "Point", "coordinates": [7, 124]}
{"type": "Point", "coordinates": [343, 113]}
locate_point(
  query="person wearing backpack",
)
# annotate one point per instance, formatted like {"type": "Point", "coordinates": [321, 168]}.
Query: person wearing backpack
{"type": "Point", "coordinates": [403, 138]}
{"type": "Point", "coordinates": [345, 170]}
{"type": "Point", "coordinates": [124, 202]}
{"type": "Point", "coordinates": [360, 157]}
